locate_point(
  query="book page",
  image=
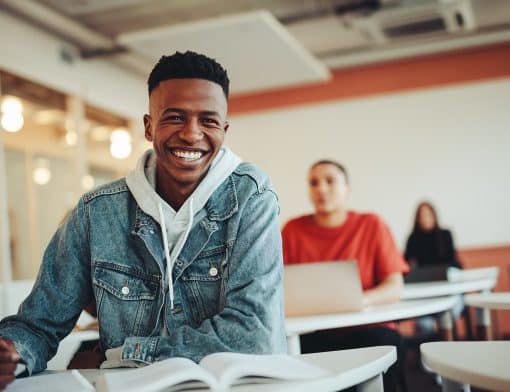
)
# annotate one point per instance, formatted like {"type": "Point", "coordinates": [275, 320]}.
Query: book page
{"type": "Point", "coordinates": [55, 382]}
{"type": "Point", "coordinates": [230, 368]}
{"type": "Point", "coordinates": [155, 377]}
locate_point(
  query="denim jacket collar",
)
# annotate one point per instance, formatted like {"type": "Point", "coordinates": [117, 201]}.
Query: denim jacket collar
{"type": "Point", "coordinates": [222, 204]}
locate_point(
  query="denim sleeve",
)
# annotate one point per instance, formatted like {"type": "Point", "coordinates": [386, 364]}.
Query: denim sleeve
{"type": "Point", "coordinates": [60, 292]}
{"type": "Point", "coordinates": [252, 320]}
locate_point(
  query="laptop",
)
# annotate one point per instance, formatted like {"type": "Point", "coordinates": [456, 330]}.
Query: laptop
{"type": "Point", "coordinates": [429, 273]}
{"type": "Point", "coordinates": [321, 288]}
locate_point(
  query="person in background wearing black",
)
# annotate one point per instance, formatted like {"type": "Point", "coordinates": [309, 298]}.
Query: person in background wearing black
{"type": "Point", "coordinates": [429, 244]}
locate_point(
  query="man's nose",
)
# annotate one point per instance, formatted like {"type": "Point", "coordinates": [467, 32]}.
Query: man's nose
{"type": "Point", "coordinates": [191, 132]}
{"type": "Point", "coordinates": [322, 187]}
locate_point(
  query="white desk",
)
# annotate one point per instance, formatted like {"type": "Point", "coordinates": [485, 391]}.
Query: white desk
{"type": "Point", "coordinates": [481, 364]}
{"type": "Point", "coordinates": [296, 326]}
{"type": "Point", "coordinates": [489, 300]}
{"type": "Point", "coordinates": [483, 304]}
{"type": "Point", "coordinates": [440, 289]}
{"type": "Point", "coordinates": [362, 367]}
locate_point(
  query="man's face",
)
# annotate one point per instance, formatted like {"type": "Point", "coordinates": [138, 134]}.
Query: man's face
{"type": "Point", "coordinates": [186, 125]}
{"type": "Point", "coordinates": [328, 188]}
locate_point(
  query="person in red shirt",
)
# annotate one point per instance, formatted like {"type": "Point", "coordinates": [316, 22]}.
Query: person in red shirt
{"type": "Point", "coordinates": [333, 232]}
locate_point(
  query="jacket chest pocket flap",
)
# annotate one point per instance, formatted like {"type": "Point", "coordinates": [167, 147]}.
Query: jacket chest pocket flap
{"type": "Point", "coordinates": [207, 267]}
{"type": "Point", "coordinates": [124, 282]}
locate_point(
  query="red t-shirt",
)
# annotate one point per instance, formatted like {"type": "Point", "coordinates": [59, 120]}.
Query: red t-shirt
{"type": "Point", "coordinates": [362, 237]}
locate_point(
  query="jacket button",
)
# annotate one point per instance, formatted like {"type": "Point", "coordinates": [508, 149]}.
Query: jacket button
{"type": "Point", "coordinates": [125, 290]}
{"type": "Point", "coordinates": [213, 271]}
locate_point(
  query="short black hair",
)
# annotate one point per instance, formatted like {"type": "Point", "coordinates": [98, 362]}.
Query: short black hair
{"type": "Point", "coordinates": [339, 166]}
{"type": "Point", "coordinates": [188, 65]}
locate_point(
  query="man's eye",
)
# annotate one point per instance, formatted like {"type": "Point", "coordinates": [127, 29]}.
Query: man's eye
{"type": "Point", "coordinates": [210, 121]}
{"type": "Point", "coordinates": [173, 117]}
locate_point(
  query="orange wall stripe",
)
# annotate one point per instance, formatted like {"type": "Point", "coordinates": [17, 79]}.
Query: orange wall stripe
{"type": "Point", "coordinates": [463, 66]}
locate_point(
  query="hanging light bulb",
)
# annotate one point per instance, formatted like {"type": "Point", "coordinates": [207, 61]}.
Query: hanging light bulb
{"type": "Point", "coordinates": [12, 122]}
{"type": "Point", "coordinates": [120, 143]}
{"type": "Point", "coordinates": [11, 105]}
{"type": "Point", "coordinates": [12, 114]}
{"type": "Point", "coordinates": [42, 172]}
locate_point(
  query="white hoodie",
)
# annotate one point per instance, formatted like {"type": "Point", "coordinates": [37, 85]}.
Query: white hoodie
{"type": "Point", "coordinates": [176, 225]}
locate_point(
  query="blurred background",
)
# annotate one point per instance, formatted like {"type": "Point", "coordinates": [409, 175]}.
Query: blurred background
{"type": "Point", "coordinates": [411, 95]}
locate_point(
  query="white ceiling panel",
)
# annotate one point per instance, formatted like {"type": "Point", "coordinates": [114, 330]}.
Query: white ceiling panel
{"type": "Point", "coordinates": [329, 33]}
{"type": "Point", "coordinates": [257, 51]}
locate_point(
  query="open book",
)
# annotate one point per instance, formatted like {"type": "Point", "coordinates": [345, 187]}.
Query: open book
{"type": "Point", "coordinates": [54, 382]}
{"type": "Point", "coordinates": [216, 371]}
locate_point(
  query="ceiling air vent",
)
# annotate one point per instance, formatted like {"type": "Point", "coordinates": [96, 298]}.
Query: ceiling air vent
{"type": "Point", "coordinates": [414, 21]}
{"type": "Point", "coordinates": [422, 27]}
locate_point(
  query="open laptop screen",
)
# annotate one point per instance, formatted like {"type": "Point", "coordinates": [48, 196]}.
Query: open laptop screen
{"type": "Point", "coordinates": [321, 288]}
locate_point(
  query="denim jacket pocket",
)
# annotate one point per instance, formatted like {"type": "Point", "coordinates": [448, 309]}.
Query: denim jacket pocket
{"type": "Point", "coordinates": [202, 281]}
{"type": "Point", "coordinates": [126, 301]}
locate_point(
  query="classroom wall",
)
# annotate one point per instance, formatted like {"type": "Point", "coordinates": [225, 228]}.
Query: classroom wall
{"type": "Point", "coordinates": [445, 144]}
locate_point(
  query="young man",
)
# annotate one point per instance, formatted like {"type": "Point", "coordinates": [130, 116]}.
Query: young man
{"type": "Point", "coordinates": [333, 232]}
{"type": "Point", "coordinates": [182, 257]}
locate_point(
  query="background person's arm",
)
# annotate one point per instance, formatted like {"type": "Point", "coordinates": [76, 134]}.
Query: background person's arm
{"type": "Point", "coordinates": [252, 319]}
{"type": "Point", "coordinates": [386, 292]}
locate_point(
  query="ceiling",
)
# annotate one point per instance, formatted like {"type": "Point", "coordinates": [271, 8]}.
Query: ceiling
{"type": "Point", "coordinates": [267, 44]}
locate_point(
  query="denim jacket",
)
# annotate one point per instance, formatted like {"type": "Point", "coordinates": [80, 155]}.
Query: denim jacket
{"type": "Point", "coordinates": [227, 279]}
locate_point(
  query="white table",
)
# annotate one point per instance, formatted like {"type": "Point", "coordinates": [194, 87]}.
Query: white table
{"type": "Point", "coordinates": [483, 304]}
{"type": "Point", "coordinates": [459, 287]}
{"type": "Point", "coordinates": [499, 301]}
{"type": "Point", "coordinates": [362, 367]}
{"type": "Point", "coordinates": [296, 326]}
{"type": "Point", "coordinates": [481, 364]}
{"type": "Point", "coordinates": [440, 289]}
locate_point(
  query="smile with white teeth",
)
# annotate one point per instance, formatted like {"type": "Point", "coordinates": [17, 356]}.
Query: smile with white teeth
{"type": "Point", "coordinates": [188, 155]}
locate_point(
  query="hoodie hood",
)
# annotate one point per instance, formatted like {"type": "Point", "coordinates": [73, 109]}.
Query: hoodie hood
{"type": "Point", "coordinates": [176, 225]}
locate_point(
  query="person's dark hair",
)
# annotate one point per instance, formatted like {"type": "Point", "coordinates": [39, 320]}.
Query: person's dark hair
{"type": "Point", "coordinates": [339, 166]}
{"type": "Point", "coordinates": [427, 204]}
{"type": "Point", "coordinates": [188, 65]}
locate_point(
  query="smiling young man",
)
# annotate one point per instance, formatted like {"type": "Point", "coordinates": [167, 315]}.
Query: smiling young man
{"type": "Point", "coordinates": [182, 257]}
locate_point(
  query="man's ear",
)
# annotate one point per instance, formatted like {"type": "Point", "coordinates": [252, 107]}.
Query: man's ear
{"type": "Point", "coordinates": [225, 127]}
{"type": "Point", "coordinates": [148, 127]}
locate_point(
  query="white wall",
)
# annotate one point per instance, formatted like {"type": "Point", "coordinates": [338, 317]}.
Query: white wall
{"type": "Point", "coordinates": [449, 145]}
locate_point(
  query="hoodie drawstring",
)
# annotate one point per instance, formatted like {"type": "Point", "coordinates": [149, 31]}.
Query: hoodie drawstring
{"type": "Point", "coordinates": [178, 246]}
{"type": "Point", "coordinates": [169, 266]}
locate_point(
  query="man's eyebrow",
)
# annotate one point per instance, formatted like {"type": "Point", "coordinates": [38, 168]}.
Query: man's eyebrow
{"type": "Point", "coordinates": [182, 111]}
{"type": "Point", "coordinates": [209, 113]}
{"type": "Point", "coordinates": [169, 110]}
